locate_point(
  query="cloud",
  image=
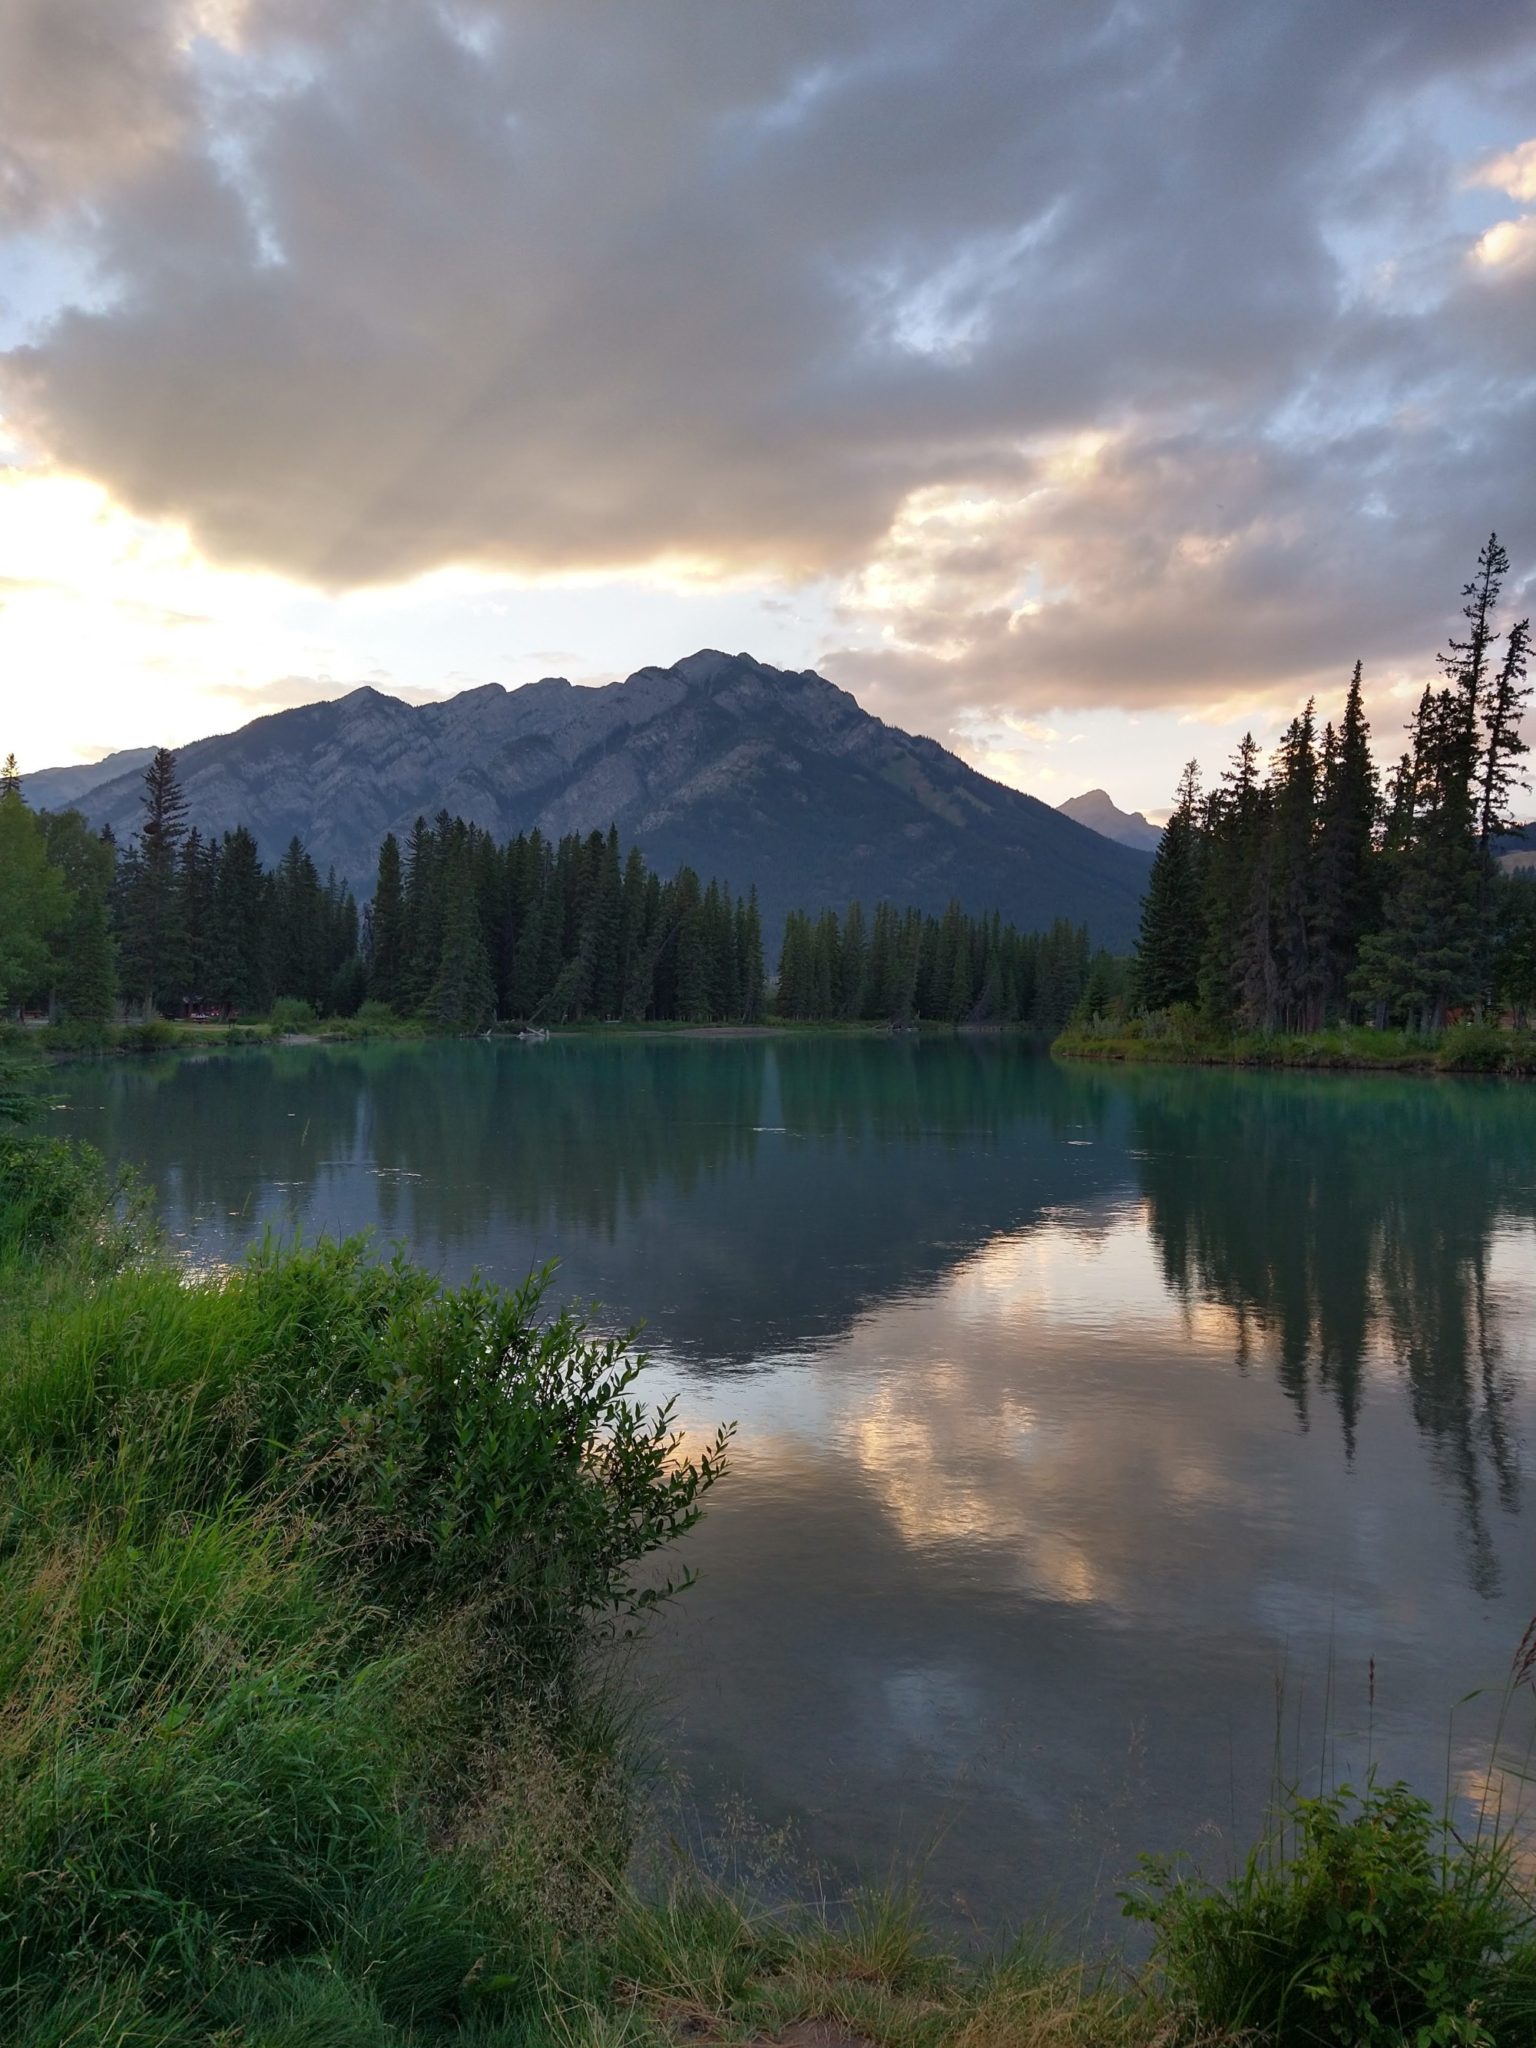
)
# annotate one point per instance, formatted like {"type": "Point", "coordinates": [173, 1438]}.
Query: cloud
{"type": "Point", "coordinates": [1117, 352]}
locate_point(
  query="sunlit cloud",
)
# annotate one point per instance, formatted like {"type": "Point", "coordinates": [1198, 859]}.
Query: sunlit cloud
{"type": "Point", "coordinates": [365, 321]}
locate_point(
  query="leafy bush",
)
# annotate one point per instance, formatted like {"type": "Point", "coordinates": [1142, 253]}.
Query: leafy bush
{"type": "Point", "coordinates": [74, 1035]}
{"type": "Point", "coordinates": [51, 1193]}
{"type": "Point", "coordinates": [1374, 1924]}
{"type": "Point", "coordinates": [1475, 1049]}
{"type": "Point", "coordinates": [291, 1013]}
{"type": "Point", "coordinates": [154, 1035]}
{"type": "Point", "coordinates": [18, 1097]}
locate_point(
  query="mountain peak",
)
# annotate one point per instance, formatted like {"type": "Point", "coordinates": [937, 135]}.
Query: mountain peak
{"type": "Point", "coordinates": [1096, 809]}
{"type": "Point", "coordinates": [760, 776]}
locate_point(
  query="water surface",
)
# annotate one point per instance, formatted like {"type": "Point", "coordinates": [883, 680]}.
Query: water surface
{"type": "Point", "coordinates": [1083, 1412]}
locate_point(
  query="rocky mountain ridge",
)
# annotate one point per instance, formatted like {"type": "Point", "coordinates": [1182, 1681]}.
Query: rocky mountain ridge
{"type": "Point", "coordinates": [766, 777]}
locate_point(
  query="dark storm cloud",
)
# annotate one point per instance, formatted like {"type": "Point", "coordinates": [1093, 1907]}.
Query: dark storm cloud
{"type": "Point", "coordinates": [794, 290]}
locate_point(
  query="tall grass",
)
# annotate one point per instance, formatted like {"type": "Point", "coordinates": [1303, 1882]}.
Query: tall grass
{"type": "Point", "coordinates": [300, 1572]}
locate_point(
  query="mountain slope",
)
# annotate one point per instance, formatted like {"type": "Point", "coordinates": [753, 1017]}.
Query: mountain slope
{"type": "Point", "coordinates": [753, 773]}
{"type": "Point", "coordinates": [1097, 810]}
{"type": "Point", "coordinates": [56, 789]}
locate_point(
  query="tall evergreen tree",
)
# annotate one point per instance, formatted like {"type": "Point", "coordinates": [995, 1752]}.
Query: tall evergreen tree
{"type": "Point", "coordinates": [240, 974]}
{"type": "Point", "coordinates": [386, 967]}
{"type": "Point", "coordinates": [1348, 879]}
{"type": "Point", "coordinates": [1169, 947]}
{"type": "Point", "coordinates": [152, 936]}
{"type": "Point", "coordinates": [462, 997]}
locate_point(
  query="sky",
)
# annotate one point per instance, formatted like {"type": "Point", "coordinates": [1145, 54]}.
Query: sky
{"type": "Point", "coordinates": [1080, 383]}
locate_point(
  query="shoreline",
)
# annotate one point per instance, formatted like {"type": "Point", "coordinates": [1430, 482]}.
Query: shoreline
{"type": "Point", "coordinates": [1463, 1050]}
{"type": "Point", "coordinates": [162, 1035]}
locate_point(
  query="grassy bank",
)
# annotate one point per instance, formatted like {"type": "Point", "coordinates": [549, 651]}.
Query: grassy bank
{"type": "Point", "coordinates": [307, 1735]}
{"type": "Point", "coordinates": [1463, 1049]}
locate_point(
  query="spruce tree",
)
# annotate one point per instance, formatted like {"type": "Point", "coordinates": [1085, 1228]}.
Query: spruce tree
{"type": "Point", "coordinates": [241, 972]}
{"type": "Point", "coordinates": [1348, 866]}
{"type": "Point", "coordinates": [1233, 834]}
{"type": "Point", "coordinates": [152, 939]}
{"type": "Point", "coordinates": [1168, 949]}
{"type": "Point", "coordinates": [387, 928]}
{"type": "Point", "coordinates": [462, 998]}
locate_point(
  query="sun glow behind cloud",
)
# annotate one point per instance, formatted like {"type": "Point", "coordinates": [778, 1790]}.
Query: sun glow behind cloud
{"type": "Point", "coordinates": [905, 346]}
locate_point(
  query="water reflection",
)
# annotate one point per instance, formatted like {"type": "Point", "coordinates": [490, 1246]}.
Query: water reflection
{"type": "Point", "coordinates": [1341, 1222]}
{"type": "Point", "coordinates": [1075, 1403]}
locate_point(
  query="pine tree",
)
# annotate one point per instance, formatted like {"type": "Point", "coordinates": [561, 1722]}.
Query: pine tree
{"type": "Point", "coordinates": [422, 930]}
{"type": "Point", "coordinates": [1348, 867]}
{"type": "Point", "coordinates": [1300, 975]}
{"type": "Point", "coordinates": [300, 966]}
{"type": "Point", "coordinates": [749, 956]}
{"type": "Point", "coordinates": [1235, 823]}
{"type": "Point", "coordinates": [152, 939]}
{"type": "Point", "coordinates": [1169, 947]}
{"type": "Point", "coordinates": [197, 883]}
{"type": "Point", "coordinates": [462, 998]}
{"type": "Point", "coordinates": [240, 974]}
{"type": "Point", "coordinates": [387, 923]}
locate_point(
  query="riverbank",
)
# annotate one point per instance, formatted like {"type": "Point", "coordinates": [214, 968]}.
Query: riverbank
{"type": "Point", "coordinates": [311, 1736]}
{"type": "Point", "coordinates": [164, 1035]}
{"type": "Point", "coordinates": [1463, 1049]}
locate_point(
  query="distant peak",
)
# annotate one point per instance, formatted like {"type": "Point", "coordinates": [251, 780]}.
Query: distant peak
{"type": "Point", "coordinates": [1098, 811]}
{"type": "Point", "coordinates": [710, 664]}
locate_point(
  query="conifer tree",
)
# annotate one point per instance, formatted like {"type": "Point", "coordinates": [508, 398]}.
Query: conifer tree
{"type": "Point", "coordinates": [749, 955]}
{"type": "Point", "coordinates": [1348, 879]}
{"type": "Point", "coordinates": [462, 997]}
{"type": "Point", "coordinates": [387, 928]}
{"type": "Point", "coordinates": [240, 976]}
{"type": "Point", "coordinates": [152, 939]}
{"type": "Point", "coordinates": [1169, 947]}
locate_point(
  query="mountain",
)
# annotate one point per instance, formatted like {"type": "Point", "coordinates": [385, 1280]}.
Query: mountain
{"type": "Point", "coordinates": [1095, 809]}
{"type": "Point", "coordinates": [56, 789]}
{"type": "Point", "coordinates": [756, 774]}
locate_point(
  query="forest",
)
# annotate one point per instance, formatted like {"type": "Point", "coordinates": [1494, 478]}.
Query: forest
{"type": "Point", "coordinates": [1326, 892]}
{"type": "Point", "coordinates": [461, 932]}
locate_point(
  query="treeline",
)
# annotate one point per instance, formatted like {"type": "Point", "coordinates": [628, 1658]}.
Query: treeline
{"type": "Point", "coordinates": [901, 965]}
{"type": "Point", "coordinates": [462, 930]}
{"type": "Point", "coordinates": [1321, 891]}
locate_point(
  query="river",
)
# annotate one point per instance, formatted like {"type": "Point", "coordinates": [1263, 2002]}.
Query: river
{"type": "Point", "coordinates": [1102, 1432]}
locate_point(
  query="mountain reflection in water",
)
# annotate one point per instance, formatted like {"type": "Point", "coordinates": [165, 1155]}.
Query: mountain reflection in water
{"type": "Point", "coordinates": [1075, 1403]}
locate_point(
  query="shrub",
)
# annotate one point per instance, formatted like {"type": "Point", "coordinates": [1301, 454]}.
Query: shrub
{"type": "Point", "coordinates": [1474, 1049]}
{"type": "Point", "coordinates": [153, 1035]}
{"type": "Point", "coordinates": [51, 1192]}
{"type": "Point", "coordinates": [1372, 1924]}
{"type": "Point", "coordinates": [291, 1013]}
{"type": "Point", "coordinates": [79, 1035]}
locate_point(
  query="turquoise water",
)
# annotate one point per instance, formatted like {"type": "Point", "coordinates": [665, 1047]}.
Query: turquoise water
{"type": "Point", "coordinates": [1091, 1422]}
